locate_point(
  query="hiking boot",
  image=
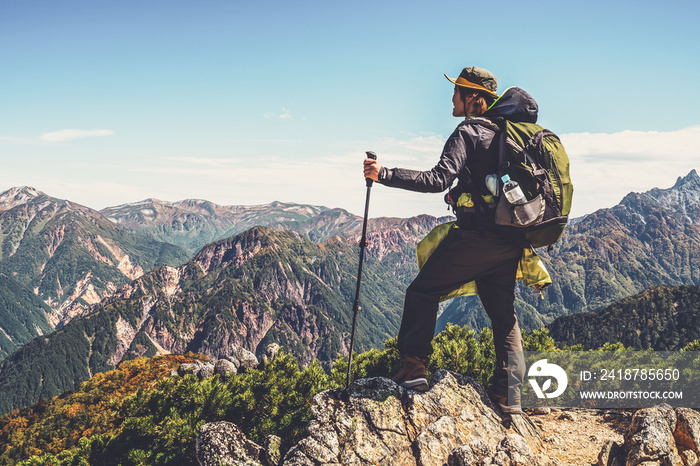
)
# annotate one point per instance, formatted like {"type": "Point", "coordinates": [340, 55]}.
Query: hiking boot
{"type": "Point", "coordinates": [412, 374]}
{"type": "Point", "coordinates": [502, 402]}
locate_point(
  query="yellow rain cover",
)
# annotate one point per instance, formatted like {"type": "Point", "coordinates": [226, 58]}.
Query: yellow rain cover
{"type": "Point", "coordinates": [531, 269]}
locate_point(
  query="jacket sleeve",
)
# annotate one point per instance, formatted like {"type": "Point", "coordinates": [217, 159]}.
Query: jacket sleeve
{"type": "Point", "coordinates": [439, 178]}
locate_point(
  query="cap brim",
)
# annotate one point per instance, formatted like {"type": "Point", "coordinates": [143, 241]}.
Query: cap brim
{"type": "Point", "coordinates": [461, 82]}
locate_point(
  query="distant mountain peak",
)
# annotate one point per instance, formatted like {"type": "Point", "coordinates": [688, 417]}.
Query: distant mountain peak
{"type": "Point", "coordinates": [691, 178]}
{"type": "Point", "coordinates": [18, 196]}
{"type": "Point", "coordinates": [25, 190]}
{"type": "Point", "coordinates": [683, 198]}
{"type": "Point", "coordinates": [146, 202]}
{"type": "Point", "coordinates": [196, 203]}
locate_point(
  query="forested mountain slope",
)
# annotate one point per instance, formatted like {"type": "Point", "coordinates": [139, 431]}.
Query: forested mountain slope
{"type": "Point", "coordinates": [69, 256]}
{"type": "Point", "coordinates": [661, 318]}
{"type": "Point", "coordinates": [256, 288]}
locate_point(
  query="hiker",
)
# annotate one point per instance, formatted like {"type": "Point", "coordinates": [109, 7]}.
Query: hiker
{"type": "Point", "coordinates": [476, 250]}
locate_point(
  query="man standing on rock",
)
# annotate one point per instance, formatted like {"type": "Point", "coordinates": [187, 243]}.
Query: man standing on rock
{"type": "Point", "coordinates": [474, 249]}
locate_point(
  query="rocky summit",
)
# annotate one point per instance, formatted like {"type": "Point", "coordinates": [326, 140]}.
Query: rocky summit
{"type": "Point", "coordinates": [375, 421]}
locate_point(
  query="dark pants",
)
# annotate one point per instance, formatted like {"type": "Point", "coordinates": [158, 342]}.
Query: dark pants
{"type": "Point", "coordinates": [465, 256]}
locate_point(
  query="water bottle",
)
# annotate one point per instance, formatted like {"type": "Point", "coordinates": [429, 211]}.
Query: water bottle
{"type": "Point", "coordinates": [512, 190]}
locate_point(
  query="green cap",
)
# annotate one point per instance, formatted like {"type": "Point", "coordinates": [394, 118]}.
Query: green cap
{"type": "Point", "coordinates": [477, 78]}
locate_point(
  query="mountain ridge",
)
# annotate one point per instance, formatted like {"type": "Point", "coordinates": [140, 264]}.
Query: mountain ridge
{"type": "Point", "coordinates": [69, 255]}
{"type": "Point", "coordinates": [193, 223]}
{"type": "Point", "coordinates": [259, 287]}
{"type": "Point", "coordinates": [660, 318]}
{"type": "Point", "coordinates": [646, 240]}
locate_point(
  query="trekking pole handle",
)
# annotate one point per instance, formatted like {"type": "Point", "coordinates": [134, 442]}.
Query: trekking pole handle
{"type": "Point", "coordinates": [373, 156]}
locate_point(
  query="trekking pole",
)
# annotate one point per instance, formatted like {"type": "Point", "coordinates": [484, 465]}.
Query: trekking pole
{"type": "Point", "coordinates": [363, 244]}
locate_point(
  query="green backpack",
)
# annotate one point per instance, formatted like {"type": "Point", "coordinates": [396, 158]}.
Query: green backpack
{"type": "Point", "coordinates": [535, 158]}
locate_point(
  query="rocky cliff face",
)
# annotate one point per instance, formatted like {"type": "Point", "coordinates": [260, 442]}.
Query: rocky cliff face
{"type": "Point", "coordinates": [683, 197]}
{"type": "Point", "coordinates": [69, 255]}
{"type": "Point", "coordinates": [257, 288]}
{"type": "Point", "coordinates": [293, 279]}
{"type": "Point", "coordinates": [251, 290]}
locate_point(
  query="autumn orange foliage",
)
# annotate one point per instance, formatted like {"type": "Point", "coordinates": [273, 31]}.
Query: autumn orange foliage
{"type": "Point", "coordinates": [57, 424]}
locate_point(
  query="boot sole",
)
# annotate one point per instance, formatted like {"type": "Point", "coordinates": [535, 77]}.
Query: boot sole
{"type": "Point", "coordinates": [420, 384]}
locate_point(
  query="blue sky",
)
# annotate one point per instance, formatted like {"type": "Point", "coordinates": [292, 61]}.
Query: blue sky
{"type": "Point", "coordinates": [246, 102]}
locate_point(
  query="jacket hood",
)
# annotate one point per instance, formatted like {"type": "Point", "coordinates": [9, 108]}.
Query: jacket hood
{"type": "Point", "coordinates": [514, 105]}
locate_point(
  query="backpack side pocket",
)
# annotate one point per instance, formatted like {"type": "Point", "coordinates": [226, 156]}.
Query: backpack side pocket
{"type": "Point", "coordinates": [520, 215]}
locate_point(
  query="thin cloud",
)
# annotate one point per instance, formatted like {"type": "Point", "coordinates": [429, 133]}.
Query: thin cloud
{"type": "Point", "coordinates": [285, 115]}
{"type": "Point", "coordinates": [422, 151]}
{"type": "Point", "coordinates": [72, 134]}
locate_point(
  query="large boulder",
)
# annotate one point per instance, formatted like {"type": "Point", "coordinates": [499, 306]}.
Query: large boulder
{"type": "Point", "coordinates": [206, 370]}
{"type": "Point", "coordinates": [650, 435]}
{"type": "Point", "coordinates": [189, 368]}
{"type": "Point", "coordinates": [271, 352]}
{"type": "Point", "coordinates": [611, 454]}
{"type": "Point", "coordinates": [513, 450]}
{"type": "Point", "coordinates": [659, 435]}
{"type": "Point", "coordinates": [377, 422]}
{"type": "Point", "coordinates": [470, 454]}
{"type": "Point", "coordinates": [223, 443]}
{"type": "Point", "coordinates": [242, 358]}
{"type": "Point", "coordinates": [224, 368]}
{"type": "Point", "coordinates": [687, 433]}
